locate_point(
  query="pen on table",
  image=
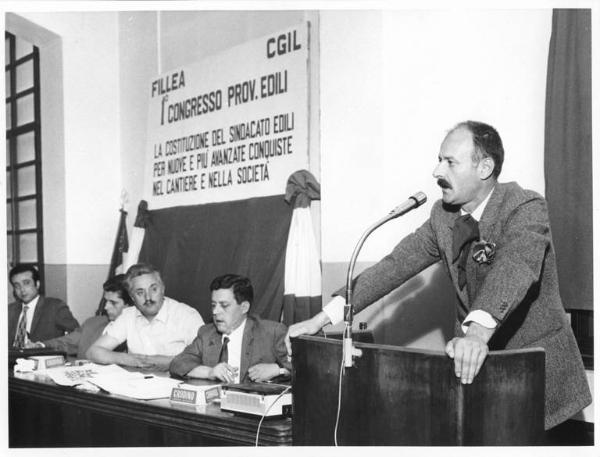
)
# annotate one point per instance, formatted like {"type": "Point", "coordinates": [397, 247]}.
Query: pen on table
{"type": "Point", "coordinates": [148, 377]}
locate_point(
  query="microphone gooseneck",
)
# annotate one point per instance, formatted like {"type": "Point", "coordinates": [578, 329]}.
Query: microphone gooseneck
{"type": "Point", "coordinates": [414, 201]}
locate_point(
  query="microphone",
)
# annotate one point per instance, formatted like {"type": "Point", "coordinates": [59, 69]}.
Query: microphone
{"type": "Point", "coordinates": [413, 202]}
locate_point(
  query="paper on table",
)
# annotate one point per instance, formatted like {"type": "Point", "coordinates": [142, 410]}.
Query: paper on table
{"type": "Point", "coordinates": [115, 380]}
{"type": "Point", "coordinates": [136, 385]}
{"type": "Point", "coordinates": [71, 376]}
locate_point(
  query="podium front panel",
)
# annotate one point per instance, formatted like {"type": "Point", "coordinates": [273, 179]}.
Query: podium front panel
{"type": "Point", "coordinates": [403, 397]}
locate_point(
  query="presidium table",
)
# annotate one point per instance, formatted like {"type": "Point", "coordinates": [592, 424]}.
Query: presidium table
{"type": "Point", "coordinates": [43, 414]}
{"type": "Point", "coordinates": [393, 396]}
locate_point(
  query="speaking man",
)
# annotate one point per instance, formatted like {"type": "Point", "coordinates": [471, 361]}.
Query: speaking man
{"type": "Point", "coordinates": [34, 317]}
{"type": "Point", "coordinates": [156, 328]}
{"type": "Point", "coordinates": [236, 346]}
{"type": "Point", "coordinates": [79, 340]}
{"type": "Point", "coordinates": [494, 240]}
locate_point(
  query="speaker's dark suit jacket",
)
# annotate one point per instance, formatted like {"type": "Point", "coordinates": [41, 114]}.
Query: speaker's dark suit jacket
{"type": "Point", "coordinates": [52, 318]}
{"type": "Point", "coordinates": [519, 288]}
{"type": "Point", "coordinates": [263, 342]}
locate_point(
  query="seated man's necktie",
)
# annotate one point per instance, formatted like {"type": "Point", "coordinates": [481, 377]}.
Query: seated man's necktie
{"type": "Point", "coordinates": [466, 230]}
{"type": "Point", "coordinates": [21, 335]}
{"type": "Point", "coordinates": [224, 355]}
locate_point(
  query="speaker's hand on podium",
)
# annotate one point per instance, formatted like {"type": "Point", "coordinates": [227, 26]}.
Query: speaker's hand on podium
{"type": "Point", "coordinates": [307, 327]}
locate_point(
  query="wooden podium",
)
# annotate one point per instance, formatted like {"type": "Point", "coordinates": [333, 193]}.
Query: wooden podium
{"type": "Point", "coordinates": [395, 396]}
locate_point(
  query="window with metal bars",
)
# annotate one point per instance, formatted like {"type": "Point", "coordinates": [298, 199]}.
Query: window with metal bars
{"type": "Point", "coordinates": [23, 155]}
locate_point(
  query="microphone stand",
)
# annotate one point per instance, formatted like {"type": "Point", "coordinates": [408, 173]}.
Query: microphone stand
{"type": "Point", "coordinates": [348, 308]}
{"type": "Point", "coordinates": [348, 349]}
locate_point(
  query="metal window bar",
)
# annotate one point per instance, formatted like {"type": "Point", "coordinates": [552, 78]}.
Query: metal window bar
{"type": "Point", "coordinates": [23, 93]}
{"type": "Point", "coordinates": [13, 131]}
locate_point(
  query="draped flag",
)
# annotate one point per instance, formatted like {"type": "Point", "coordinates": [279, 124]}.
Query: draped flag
{"type": "Point", "coordinates": [302, 291]}
{"type": "Point", "coordinates": [121, 247]}
{"type": "Point", "coordinates": [119, 253]}
{"type": "Point", "coordinates": [137, 235]}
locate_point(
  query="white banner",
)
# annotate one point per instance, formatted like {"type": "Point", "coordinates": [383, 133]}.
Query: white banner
{"type": "Point", "coordinates": [232, 126]}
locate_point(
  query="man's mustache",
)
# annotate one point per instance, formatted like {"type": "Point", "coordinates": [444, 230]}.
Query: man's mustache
{"type": "Point", "coordinates": [149, 302]}
{"type": "Point", "coordinates": [443, 184]}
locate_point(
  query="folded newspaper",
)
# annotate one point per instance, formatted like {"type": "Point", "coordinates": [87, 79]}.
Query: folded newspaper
{"type": "Point", "coordinates": [115, 380]}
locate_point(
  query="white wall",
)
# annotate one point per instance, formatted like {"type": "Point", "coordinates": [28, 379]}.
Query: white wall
{"type": "Point", "coordinates": [81, 155]}
{"type": "Point", "coordinates": [392, 84]}
{"type": "Point", "coordinates": [91, 133]}
{"type": "Point", "coordinates": [138, 64]}
{"type": "Point", "coordinates": [52, 141]}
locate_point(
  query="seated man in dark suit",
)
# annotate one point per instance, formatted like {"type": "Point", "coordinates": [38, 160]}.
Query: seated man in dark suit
{"type": "Point", "coordinates": [34, 317]}
{"type": "Point", "coordinates": [79, 340]}
{"type": "Point", "coordinates": [236, 346]}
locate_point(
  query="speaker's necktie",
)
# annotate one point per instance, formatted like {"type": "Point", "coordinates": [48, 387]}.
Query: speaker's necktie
{"type": "Point", "coordinates": [466, 230]}
{"type": "Point", "coordinates": [21, 335]}
{"type": "Point", "coordinates": [224, 355]}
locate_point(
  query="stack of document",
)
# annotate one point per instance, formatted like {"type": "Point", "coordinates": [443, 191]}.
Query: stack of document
{"type": "Point", "coordinates": [137, 385]}
{"type": "Point", "coordinates": [115, 380]}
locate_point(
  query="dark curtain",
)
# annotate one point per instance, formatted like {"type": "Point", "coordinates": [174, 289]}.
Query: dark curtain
{"type": "Point", "coordinates": [568, 153]}
{"type": "Point", "coordinates": [191, 245]}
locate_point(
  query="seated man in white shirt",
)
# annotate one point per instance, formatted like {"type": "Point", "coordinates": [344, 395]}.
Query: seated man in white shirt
{"type": "Point", "coordinates": [156, 329]}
